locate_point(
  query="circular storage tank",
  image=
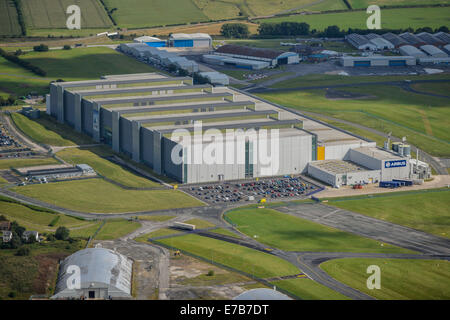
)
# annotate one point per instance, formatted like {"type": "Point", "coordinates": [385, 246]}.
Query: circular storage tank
{"type": "Point", "coordinates": [400, 149]}
{"type": "Point", "coordinates": [406, 150]}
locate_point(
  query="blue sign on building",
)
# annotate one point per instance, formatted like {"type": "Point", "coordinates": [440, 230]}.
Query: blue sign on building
{"type": "Point", "coordinates": [395, 164]}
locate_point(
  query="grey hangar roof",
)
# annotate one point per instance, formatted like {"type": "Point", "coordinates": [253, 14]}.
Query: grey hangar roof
{"type": "Point", "coordinates": [99, 268]}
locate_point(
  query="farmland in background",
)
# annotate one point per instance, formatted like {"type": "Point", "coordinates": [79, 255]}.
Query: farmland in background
{"type": "Point", "coordinates": [144, 13]}
{"type": "Point", "coordinates": [51, 14]}
{"type": "Point", "coordinates": [390, 18]}
{"type": "Point", "coordinates": [362, 4]}
{"type": "Point", "coordinates": [9, 23]}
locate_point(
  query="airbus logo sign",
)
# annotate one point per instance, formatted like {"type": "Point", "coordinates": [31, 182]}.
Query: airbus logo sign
{"type": "Point", "coordinates": [395, 164]}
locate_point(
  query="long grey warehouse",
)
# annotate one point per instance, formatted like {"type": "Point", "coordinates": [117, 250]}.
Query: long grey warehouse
{"type": "Point", "coordinates": [155, 120]}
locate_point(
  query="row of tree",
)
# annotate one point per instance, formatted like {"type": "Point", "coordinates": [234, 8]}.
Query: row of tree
{"type": "Point", "coordinates": [266, 29]}
{"type": "Point", "coordinates": [18, 5]}
{"type": "Point", "coordinates": [25, 64]}
{"type": "Point", "coordinates": [235, 30]}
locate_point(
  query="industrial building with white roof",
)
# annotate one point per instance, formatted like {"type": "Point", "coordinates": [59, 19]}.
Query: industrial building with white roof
{"type": "Point", "coordinates": [137, 115]}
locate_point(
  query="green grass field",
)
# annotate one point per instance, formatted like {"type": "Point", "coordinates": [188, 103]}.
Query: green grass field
{"type": "Point", "coordinates": [99, 196]}
{"type": "Point", "coordinates": [20, 163]}
{"type": "Point", "coordinates": [38, 220]}
{"type": "Point", "coordinates": [257, 263]}
{"type": "Point", "coordinates": [225, 232]}
{"type": "Point", "coordinates": [18, 81]}
{"type": "Point", "coordinates": [142, 13]}
{"type": "Point", "coordinates": [426, 211]}
{"type": "Point", "coordinates": [200, 223]}
{"type": "Point", "coordinates": [75, 64]}
{"type": "Point", "coordinates": [308, 289]}
{"type": "Point", "coordinates": [51, 14]}
{"type": "Point", "coordinates": [390, 18]}
{"type": "Point", "coordinates": [435, 88]}
{"type": "Point", "coordinates": [46, 130]}
{"type": "Point", "coordinates": [400, 279]}
{"type": "Point", "coordinates": [9, 23]}
{"type": "Point", "coordinates": [290, 233]}
{"type": "Point", "coordinates": [93, 156]}
{"type": "Point", "coordinates": [362, 4]}
{"type": "Point", "coordinates": [157, 233]}
{"type": "Point", "coordinates": [85, 63]}
{"type": "Point", "coordinates": [33, 219]}
{"type": "Point", "coordinates": [422, 119]}
{"type": "Point", "coordinates": [116, 228]}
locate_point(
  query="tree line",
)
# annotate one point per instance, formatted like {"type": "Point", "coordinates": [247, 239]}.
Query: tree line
{"type": "Point", "coordinates": [270, 29]}
{"type": "Point", "coordinates": [25, 64]}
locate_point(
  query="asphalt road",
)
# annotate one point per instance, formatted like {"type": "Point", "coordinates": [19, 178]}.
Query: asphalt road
{"type": "Point", "coordinates": [371, 228]}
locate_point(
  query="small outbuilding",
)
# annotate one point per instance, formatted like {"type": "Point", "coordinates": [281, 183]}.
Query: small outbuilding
{"type": "Point", "coordinates": [7, 236]}
{"type": "Point", "coordinates": [30, 235]}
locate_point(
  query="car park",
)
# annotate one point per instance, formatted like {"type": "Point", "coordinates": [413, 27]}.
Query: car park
{"type": "Point", "coordinates": [267, 188]}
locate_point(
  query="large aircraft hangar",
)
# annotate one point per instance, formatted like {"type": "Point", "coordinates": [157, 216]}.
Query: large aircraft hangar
{"type": "Point", "coordinates": [196, 133]}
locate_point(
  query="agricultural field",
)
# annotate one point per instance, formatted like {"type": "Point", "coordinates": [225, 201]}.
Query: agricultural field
{"type": "Point", "coordinates": [421, 119]}
{"type": "Point", "coordinates": [362, 4]}
{"type": "Point", "coordinates": [45, 130]}
{"type": "Point", "coordinates": [290, 233]}
{"type": "Point", "coordinates": [85, 63]}
{"type": "Point", "coordinates": [9, 23]}
{"type": "Point", "coordinates": [400, 279]}
{"type": "Point", "coordinates": [21, 163]}
{"type": "Point", "coordinates": [426, 211]}
{"type": "Point", "coordinates": [51, 14]}
{"type": "Point", "coordinates": [212, 29]}
{"type": "Point", "coordinates": [391, 18]}
{"type": "Point", "coordinates": [94, 156]}
{"type": "Point", "coordinates": [252, 8]}
{"type": "Point", "coordinates": [143, 13]}
{"type": "Point", "coordinates": [99, 196]}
